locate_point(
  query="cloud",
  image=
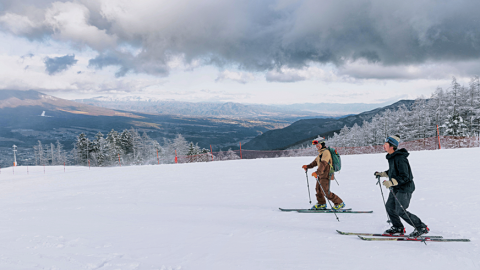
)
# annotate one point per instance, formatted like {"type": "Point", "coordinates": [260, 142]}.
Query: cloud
{"type": "Point", "coordinates": [256, 35]}
{"type": "Point", "coordinates": [240, 77]}
{"type": "Point", "coordinates": [316, 72]}
{"type": "Point", "coordinates": [285, 76]}
{"type": "Point", "coordinates": [364, 70]}
{"type": "Point", "coordinates": [58, 64]}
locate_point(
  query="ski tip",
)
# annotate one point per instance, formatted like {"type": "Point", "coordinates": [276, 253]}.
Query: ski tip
{"type": "Point", "coordinates": [340, 232]}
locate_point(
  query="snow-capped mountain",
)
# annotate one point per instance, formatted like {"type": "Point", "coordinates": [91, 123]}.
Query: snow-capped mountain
{"type": "Point", "coordinates": [208, 109]}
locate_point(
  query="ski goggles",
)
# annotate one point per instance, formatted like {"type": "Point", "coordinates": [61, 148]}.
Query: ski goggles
{"type": "Point", "coordinates": [315, 142]}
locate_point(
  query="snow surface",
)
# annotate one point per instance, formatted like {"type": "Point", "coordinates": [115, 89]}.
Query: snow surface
{"type": "Point", "coordinates": [224, 215]}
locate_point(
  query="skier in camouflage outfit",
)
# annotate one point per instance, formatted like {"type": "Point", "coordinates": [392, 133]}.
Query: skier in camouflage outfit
{"type": "Point", "coordinates": [323, 174]}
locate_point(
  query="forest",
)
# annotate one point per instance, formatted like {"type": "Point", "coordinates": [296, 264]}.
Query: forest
{"type": "Point", "coordinates": [454, 111]}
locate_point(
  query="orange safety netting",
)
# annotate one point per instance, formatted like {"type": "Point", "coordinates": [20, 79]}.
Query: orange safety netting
{"type": "Point", "coordinates": [431, 143]}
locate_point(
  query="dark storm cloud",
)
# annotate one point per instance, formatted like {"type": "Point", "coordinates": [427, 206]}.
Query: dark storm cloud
{"type": "Point", "coordinates": [58, 64]}
{"type": "Point", "coordinates": [259, 35]}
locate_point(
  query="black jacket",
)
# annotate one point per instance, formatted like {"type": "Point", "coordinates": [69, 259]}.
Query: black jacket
{"type": "Point", "coordinates": [399, 168]}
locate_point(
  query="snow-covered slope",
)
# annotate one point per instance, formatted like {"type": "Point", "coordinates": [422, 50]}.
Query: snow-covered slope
{"type": "Point", "coordinates": [224, 215]}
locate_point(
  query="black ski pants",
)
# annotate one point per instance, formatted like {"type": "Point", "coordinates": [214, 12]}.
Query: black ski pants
{"type": "Point", "coordinates": [395, 211]}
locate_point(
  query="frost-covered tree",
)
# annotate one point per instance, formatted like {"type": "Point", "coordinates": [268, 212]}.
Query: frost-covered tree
{"type": "Point", "coordinates": [83, 145]}
{"type": "Point", "coordinates": [126, 144]}
{"type": "Point", "coordinates": [456, 111]}
{"type": "Point", "coordinates": [40, 155]}
{"type": "Point", "coordinates": [181, 145]}
{"type": "Point", "coordinates": [454, 126]}
{"type": "Point", "coordinates": [52, 155]}
{"type": "Point", "coordinates": [195, 154]}
{"type": "Point", "coordinates": [220, 155]}
{"type": "Point", "coordinates": [113, 149]}
{"type": "Point", "coordinates": [231, 155]}
{"type": "Point", "coordinates": [61, 155]}
{"type": "Point", "coordinates": [98, 150]}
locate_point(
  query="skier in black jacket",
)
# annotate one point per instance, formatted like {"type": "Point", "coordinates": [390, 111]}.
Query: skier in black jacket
{"type": "Point", "coordinates": [401, 188]}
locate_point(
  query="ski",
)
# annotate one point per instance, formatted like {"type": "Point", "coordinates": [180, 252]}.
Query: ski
{"type": "Point", "coordinates": [420, 239]}
{"type": "Point", "coordinates": [336, 211]}
{"type": "Point", "coordinates": [303, 209]}
{"type": "Point", "coordinates": [382, 235]}
{"type": "Point", "coordinates": [347, 211]}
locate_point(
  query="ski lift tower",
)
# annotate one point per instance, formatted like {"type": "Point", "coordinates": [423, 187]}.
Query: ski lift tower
{"type": "Point", "coordinates": [14, 155]}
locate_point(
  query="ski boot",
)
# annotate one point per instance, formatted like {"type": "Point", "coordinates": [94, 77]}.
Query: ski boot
{"type": "Point", "coordinates": [339, 206]}
{"type": "Point", "coordinates": [395, 231]}
{"type": "Point", "coordinates": [319, 207]}
{"type": "Point", "coordinates": [421, 231]}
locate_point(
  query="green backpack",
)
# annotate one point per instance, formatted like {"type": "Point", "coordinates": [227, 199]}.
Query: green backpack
{"type": "Point", "coordinates": [336, 161]}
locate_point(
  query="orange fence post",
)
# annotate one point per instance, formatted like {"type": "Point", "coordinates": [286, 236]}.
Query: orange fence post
{"type": "Point", "coordinates": [176, 158]}
{"type": "Point", "coordinates": [211, 152]}
{"type": "Point", "coordinates": [119, 163]}
{"type": "Point", "coordinates": [240, 150]}
{"type": "Point", "coordinates": [89, 164]}
{"type": "Point", "coordinates": [438, 136]}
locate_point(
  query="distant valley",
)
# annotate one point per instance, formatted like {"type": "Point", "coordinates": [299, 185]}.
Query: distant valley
{"type": "Point", "coordinates": [30, 116]}
{"type": "Point", "coordinates": [22, 122]}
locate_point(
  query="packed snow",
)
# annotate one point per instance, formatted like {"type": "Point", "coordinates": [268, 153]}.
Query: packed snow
{"type": "Point", "coordinates": [224, 215]}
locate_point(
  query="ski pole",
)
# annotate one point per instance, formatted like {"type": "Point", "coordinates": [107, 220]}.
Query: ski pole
{"type": "Point", "coordinates": [385, 204]}
{"type": "Point", "coordinates": [318, 181]}
{"type": "Point", "coordinates": [308, 187]}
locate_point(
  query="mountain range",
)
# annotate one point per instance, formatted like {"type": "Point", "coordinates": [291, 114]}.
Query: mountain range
{"type": "Point", "coordinates": [205, 109]}
{"type": "Point", "coordinates": [22, 123]}
{"type": "Point", "coordinates": [229, 109]}
{"type": "Point", "coordinates": [30, 116]}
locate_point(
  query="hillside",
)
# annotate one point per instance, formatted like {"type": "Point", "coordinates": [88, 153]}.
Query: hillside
{"type": "Point", "coordinates": [154, 217]}
{"type": "Point", "coordinates": [304, 129]}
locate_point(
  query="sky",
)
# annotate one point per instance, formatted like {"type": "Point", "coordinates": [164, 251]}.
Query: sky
{"type": "Point", "coordinates": [269, 52]}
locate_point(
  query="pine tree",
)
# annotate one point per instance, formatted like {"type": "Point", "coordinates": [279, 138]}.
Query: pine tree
{"type": "Point", "coordinates": [113, 148]}
{"type": "Point", "coordinates": [126, 144]}
{"type": "Point", "coordinates": [139, 147]}
{"type": "Point", "coordinates": [98, 150]}
{"type": "Point", "coordinates": [192, 152]}
{"type": "Point", "coordinates": [454, 126]}
{"type": "Point", "coordinates": [83, 148]}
